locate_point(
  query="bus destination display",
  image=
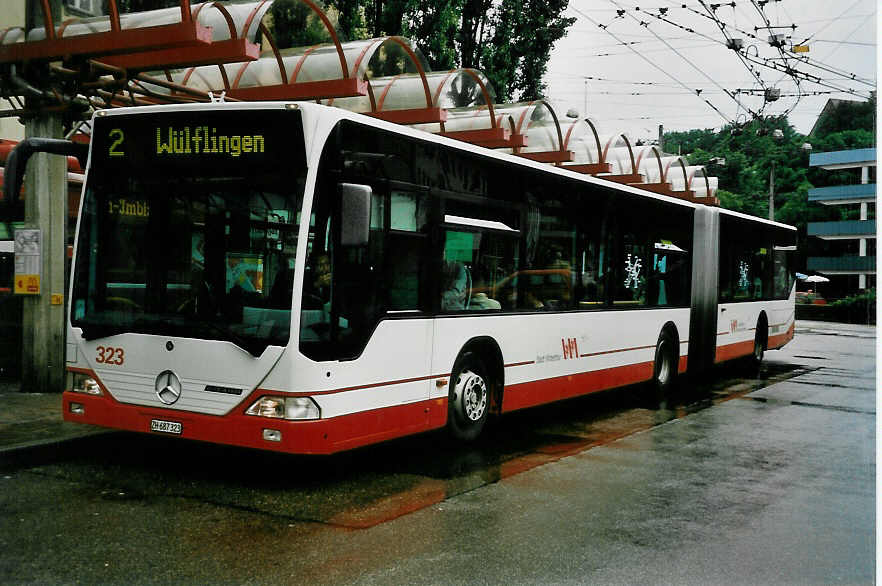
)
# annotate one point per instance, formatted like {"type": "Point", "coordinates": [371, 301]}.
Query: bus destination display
{"type": "Point", "coordinates": [244, 142]}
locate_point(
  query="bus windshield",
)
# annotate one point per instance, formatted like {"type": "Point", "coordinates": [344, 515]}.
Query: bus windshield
{"type": "Point", "coordinates": [205, 251]}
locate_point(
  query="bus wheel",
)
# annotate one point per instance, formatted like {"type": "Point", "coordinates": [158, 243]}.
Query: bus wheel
{"type": "Point", "coordinates": [665, 371]}
{"type": "Point", "coordinates": [468, 402]}
{"type": "Point", "coordinates": [759, 344]}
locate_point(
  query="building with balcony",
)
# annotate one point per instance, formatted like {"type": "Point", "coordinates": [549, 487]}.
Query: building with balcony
{"type": "Point", "coordinates": [851, 258]}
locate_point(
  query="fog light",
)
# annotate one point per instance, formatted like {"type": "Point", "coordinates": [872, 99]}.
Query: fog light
{"type": "Point", "coordinates": [77, 408]}
{"type": "Point", "coordinates": [291, 408]}
{"type": "Point", "coordinates": [272, 435]}
{"type": "Point", "coordinates": [83, 383]}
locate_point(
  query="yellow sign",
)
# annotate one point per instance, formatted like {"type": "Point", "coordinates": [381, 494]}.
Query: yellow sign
{"type": "Point", "coordinates": [27, 284]}
{"type": "Point", "coordinates": [800, 48]}
{"type": "Point", "coordinates": [28, 251]}
{"type": "Point", "coordinates": [57, 299]}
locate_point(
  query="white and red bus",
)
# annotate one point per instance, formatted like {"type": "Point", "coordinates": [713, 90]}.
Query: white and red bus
{"type": "Point", "coordinates": [304, 279]}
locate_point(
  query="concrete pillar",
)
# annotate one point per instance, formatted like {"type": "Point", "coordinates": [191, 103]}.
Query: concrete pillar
{"type": "Point", "coordinates": [43, 320]}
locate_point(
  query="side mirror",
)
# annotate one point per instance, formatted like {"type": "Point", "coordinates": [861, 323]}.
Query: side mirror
{"type": "Point", "coordinates": [355, 214]}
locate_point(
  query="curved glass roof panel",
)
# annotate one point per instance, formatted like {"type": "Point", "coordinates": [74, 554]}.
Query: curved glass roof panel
{"type": "Point", "coordinates": [208, 14]}
{"type": "Point", "coordinates": [619, 155]}
{"type": "Point", "coordinates": [648, 159]}
{"type": "Point", "coordinates": [580, 137]}
{"type": "Point", "coordinates": [306, 64]}
{"type": "Point", "coordinates": [408, 91]}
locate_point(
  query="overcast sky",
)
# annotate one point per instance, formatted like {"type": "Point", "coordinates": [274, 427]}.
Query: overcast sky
{"type": "Point", "coordinates": [647, 64]}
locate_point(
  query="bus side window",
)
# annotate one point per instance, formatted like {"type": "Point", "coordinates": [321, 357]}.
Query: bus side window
{"type": "Point", "coordinates": [548, 276]}
{"type": "Point", "coordinates": [406, 246]}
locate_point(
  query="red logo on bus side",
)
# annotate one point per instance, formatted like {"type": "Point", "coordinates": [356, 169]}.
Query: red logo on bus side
{"type": "Point", "coordinates": [570, 348]}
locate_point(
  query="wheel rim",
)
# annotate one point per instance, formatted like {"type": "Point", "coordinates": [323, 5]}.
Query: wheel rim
{"type": "Point", "coordinates": [471, 393]}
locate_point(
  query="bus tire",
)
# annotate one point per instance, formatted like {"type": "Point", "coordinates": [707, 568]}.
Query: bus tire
{"type": "Point", "coordinates": [664, 372]}
{"type": "Point", "coordinates": [760, 342]}
{"type": "Point", "coordinates": [469, 398]}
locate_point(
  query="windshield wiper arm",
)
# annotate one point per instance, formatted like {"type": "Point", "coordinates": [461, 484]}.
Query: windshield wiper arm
{"type": "Point", "coordinates": [252, 347]}
{"type": "Point", "coordinates": [93, 330]}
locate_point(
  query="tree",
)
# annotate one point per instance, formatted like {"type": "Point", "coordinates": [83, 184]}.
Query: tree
{"type": "Point", "coordinates": [294, 24]}
{"type": "Point", "coordinates": [508, 40]}
{"type": "Point", "coordinates": [843, 115]}
{"type": "Point", "coordinates": [351, 24]}
{"type": "Point", "coordinates": [434, 26]}
{"type": "Point", "coordinates": [523, 33]}
{"type": "Point", "coordinates": [750, 151]}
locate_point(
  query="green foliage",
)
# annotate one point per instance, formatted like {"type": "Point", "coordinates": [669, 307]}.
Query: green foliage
{"type": "Point", "coordinates": [846, 115]}
{"type": "Point", "coordinates": [351, 23]}
{"type": "Point", "coordinates": [751, 153]}
{"type": "Point", "coordinates": [860, 308]}
{"type": "Point", "coordinates": [516, 58]}
{"type": "Point", "coordinates": [294, 24]}
{"type": "Point", "coordinates": [384, 17]}
{"type": "Point", "coordinates": [434, 26]}
{"type": "Point", "coordinates": [859, 301]}
{"type": "Point", "coordinates": [508, 40]}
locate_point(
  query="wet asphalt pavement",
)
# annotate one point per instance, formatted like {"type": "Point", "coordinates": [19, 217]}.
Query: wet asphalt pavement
{"type": "Point", "coordinates": [763, 479]}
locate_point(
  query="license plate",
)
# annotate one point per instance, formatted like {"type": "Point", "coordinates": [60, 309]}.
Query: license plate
{"type": "Point", "coordinates": [166, 426]}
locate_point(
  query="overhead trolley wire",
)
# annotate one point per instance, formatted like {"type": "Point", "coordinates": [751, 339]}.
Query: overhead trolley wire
{"type": "Point", "coordinates": [808, 38]}
{"type": "Point", "coordinates": [655, 66]}
{"type": "Point", "coordinates": [698, 69]}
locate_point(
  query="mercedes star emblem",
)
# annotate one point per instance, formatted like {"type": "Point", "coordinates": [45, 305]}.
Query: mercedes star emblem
{"type": "Point", "coordinates": [168, 387]}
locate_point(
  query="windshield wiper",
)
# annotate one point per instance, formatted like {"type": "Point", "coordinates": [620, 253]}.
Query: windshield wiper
{"type": "Point", "coordinates": [253, 347]}
{"type": "Point", "coordinates": [93, 330]}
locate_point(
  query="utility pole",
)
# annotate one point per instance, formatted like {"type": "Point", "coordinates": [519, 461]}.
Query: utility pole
{"type": "Point", "coordinates": [772, 191]}
{"type": "Point", "coordinates": [586, 99]}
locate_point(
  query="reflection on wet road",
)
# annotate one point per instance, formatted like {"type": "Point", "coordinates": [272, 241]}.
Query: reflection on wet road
{"type": "Point", "coordinates": [369, 486]}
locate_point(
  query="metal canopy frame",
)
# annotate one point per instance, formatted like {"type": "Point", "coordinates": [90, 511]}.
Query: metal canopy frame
{"type": "Point", "coordinates": [193, 51]}
{"type": "Point", "coordinates": [152, 47]}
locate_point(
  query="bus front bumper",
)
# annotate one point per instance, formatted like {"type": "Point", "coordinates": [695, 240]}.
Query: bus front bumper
{"type": "Point", "coordinates": [320, 436]}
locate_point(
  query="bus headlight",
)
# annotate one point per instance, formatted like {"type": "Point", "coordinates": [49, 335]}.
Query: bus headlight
{"type": "Point", "coordinates": [293, 408]}
{"type": "Point", "coordinates": [83, 383]}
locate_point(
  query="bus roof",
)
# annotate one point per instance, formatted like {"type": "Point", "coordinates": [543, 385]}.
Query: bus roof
{"type": "Point", "coordinates": [340, 114]}
{"type": "Point", "coordinates": [757, 219]}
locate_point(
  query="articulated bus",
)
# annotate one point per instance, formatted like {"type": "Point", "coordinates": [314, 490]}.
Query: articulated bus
{"type": "Point", "coordinates": [299, 278]}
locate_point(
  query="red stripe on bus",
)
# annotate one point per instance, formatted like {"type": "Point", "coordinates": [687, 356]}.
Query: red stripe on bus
{"type": "Point", "coordinates": [779, 340]}
{"type": "Point", "coordinates": [361, 387]}
{"type": "Point", "coordinates": [524, 395]}
{"type": "Point", "coordinates": [736, 350]}
{"type": "Point", "coordinates": [615, 351]}
{"type": "Point", "coordinates": [745, 348]}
